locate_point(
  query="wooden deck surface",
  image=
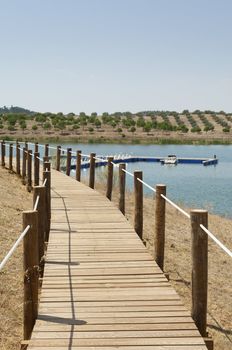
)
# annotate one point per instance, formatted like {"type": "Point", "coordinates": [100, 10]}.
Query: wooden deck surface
{"type": "Point", "coordinates": [101, 288]}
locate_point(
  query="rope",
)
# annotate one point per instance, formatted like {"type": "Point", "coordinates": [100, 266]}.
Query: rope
{"type": "Point", "coordinates": [36, 203]}
{"type": "Point", "coordinates": [100, 159]}
{"type": "Point", "coordinates": [82, 154]}
{"type": "Point", "coordinates": [11, 251]}
{"type": "Point", "coordinates": [175, 206]}
{"type": "Point", "coordinates": [127, 172]}
{"type": "Point", "coordinates": [145, 184]}
{"type": "Point", "coordinates": [40, 159]}
{"type": "Point", "coordinates": [210, 234]}
{"type": "Point", "coordinates": [44, 183]}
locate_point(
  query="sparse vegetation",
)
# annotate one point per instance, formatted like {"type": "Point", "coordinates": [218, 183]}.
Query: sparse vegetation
{"type": "Point", "coordinates": [147, 126]}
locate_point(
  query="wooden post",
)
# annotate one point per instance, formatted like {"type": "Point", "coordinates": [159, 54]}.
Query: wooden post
{"type": "Point", "coordinates": [29, 170]}
{"type": "Point", "coordinates": [46, 150]}
{"type": "Point", "coordinates": [58, 151]}
{"type": "Point", "coordinates": [41, 208]}
{"type": "Point", "coordinates": [26, 144]}
{"type": "Point", "coordinates": [46, 166]}
{"type": "Point", "coordinates": [18, 158]}
{"type": "Point", "coordinates": [45, 160]}
{"type": "Point", "coordinates": [68, 161]}
{"type": "Point", "coordinates": [92, 170]}
{"type": "Point", "coordinates": [78, 166]}
{"type": "Point", "coordinates": [199, 269]}
{"type": "Point", "coordinates": [3, 152]}
{"type": "Point", "coordinates": [24, 166]}
{"type": "Point", "coordinates": [36, 169]}
{"type": "Point", "coordinates": [36, 149]}
{"type": "Point", "coordinates": [47, 175]}
{"type": "Point", "coordinates": [138, 213]}
{"type": "Point", "coordinates": [11, 157]}
{"type": "Point", "coordinates": [122, 187]}
{"type": "Point", "coordinates": [110, 174]}
{"type": "Point", "coordinates": [31, 262]}
{"type": "Point", "coordinates": [159, 238]}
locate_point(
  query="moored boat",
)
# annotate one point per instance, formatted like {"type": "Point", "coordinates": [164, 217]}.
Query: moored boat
{"type": "Point", "coordinates": [170, 159]}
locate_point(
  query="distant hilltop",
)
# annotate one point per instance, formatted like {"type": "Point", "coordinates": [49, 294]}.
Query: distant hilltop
{"type": "Point", "coordinates": [15, 109]}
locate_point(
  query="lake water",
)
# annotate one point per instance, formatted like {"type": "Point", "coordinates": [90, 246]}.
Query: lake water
{"type": "Point", "coordinates": [192, 185]}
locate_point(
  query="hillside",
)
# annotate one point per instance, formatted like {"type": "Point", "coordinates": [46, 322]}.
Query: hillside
{"type": "Point", "coordinates": [144, 127]}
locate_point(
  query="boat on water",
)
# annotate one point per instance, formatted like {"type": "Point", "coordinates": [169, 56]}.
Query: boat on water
{"type": "Point", "coordinates": [170, 159]}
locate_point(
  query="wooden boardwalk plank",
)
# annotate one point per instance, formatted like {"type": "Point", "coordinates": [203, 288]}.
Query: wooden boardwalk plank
{"type": "Point", "coordinates": [101, 288]}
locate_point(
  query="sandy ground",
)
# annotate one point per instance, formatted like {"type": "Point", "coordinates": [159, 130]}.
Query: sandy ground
{"type": "Point", "coordinates": [13, 200]}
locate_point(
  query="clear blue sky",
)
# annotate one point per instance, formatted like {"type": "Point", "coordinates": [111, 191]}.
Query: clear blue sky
{"type": "Point", "coordinates": [116, 55]}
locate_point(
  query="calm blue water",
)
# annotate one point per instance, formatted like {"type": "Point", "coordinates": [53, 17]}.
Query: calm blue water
{"type": "Point", "coordinates": [193, 185]}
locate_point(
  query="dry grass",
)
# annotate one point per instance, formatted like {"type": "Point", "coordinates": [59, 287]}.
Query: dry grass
{"type": "Point", "coordinates": [178, 262]}
{"type": "Point", "coordinates": [13, 200]}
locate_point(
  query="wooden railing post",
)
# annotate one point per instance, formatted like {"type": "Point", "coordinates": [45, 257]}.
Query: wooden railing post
{"type": "Point", "coordinates": [138, 212]}
{"type": "Point", "coordinates": [110, 173]}
{"type": "Point", "coordinates": [47, 175]}
{"type": "Point", "coordinates": [45, 161]}
{"type": "Point", "coordinates": [18, 158]}
{"type": "Point", "coordinates": [29, 170]}
{"type": "Point", "coordinates": [36, 148]}
{"type": "Point", "coordinates": [46, 150]}
{"type": "Point", "coordinates": [159, 237]}
{"type": "Point", "coordinates": [46, 166]}
{"type": "Point", "coordinates": [11, 157]}
{"type": "Point", "coordinates": [41, 208]}
{"type": "Point", "coordinates": [92, 170]}
{"type": "Point", "coordinates": [199, 269]}
{"type": "Point", "coordinates": [68, 161]}
{"type": "Point", "coordinates": [36, 169]}
{"type": "Point", "coordinates": [24, 166]}
{"type": "Point", "coordinates": [122, 187]}
{"type": "Point", "coordinates": [31, 262]}
{"type": "Point", "coordinates": [78, 166]}
{"type": "Point", "coordinates": [58, 151]}
{"type": "Point", "coordinates": [3, 153]}
{"type": "Point", "coordinates": [26, 145]}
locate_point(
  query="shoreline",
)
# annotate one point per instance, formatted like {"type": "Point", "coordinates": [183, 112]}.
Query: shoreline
{"type": "Point", "coordinates": [130, 141]}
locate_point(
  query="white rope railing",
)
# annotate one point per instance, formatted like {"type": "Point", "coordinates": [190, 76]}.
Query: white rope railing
{"type": "Point", "coordinates": [219, 243]}
{"type": "Point", "coordinates": [36, 203]}
{"type": "Point", "coordinates": [11, 251]}
{"type": "Point", "coordinates": [175, 206]}
{"type": "Point", "coordinates": [146, 185]}
{"type": "Point", "coordinates": [210, 234]}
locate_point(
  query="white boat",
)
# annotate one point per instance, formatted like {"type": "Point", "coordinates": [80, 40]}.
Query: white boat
{"type": "Point", "coordinates": [170, 159]}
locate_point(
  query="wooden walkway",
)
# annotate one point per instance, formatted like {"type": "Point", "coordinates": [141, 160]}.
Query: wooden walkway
{"type": "Point", "coordinates": [101, 288]}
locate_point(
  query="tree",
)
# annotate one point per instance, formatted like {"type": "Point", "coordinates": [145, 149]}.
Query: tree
{"type": "Point", "coordinates": [23, 126]}
{"type": "Point", "coordinates": [97, 123]}
{"type": "Point", "coordinates": [133, 129]}
{"type": "Point", "coordinates": [11, 128]}
{"type": "Point", "coordinates": [76, 127]}
{"type": "Point", "coordinates": [147, 127]}
{"type": "Point", "coordinates": [47, 126]}
{"type": "Point", "coordinates": [61, 125]}
{"type": "Point", "coordinates": [34, 127]}
{"type": "Point", "coordinates": [140, 122]}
